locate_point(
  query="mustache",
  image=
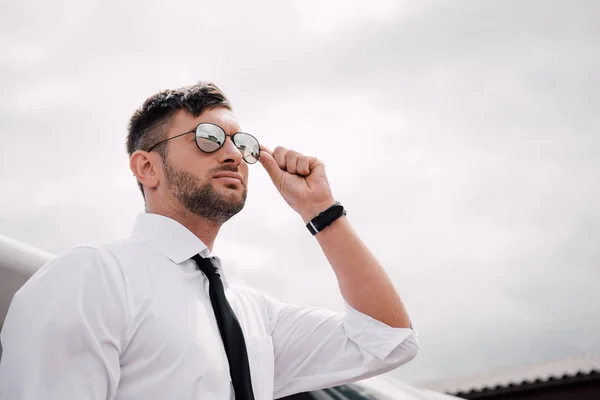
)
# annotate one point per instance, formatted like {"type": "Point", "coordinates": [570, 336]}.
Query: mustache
{"type": "Point", "coordinates": [224, 168]}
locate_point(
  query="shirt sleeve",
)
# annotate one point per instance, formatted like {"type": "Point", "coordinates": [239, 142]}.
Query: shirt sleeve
{"type": "Point", "coordinates": [63, 332]}
{"type": "Point", "coordinates": [317, 348]}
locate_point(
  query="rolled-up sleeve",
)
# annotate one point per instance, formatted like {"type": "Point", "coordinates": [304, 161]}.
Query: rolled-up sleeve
{"type": "Point", "coordinates": [317, 348]}
{"type": "Point", "coordinates": [378, 338]}
{"type": "Point", "coordinates": [63, 332]}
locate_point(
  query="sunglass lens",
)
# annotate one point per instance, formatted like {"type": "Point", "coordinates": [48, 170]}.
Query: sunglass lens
{"type": "Point", "coordinates": [209, 137]}
{"type": "Point", "coordinates": [248, 145]}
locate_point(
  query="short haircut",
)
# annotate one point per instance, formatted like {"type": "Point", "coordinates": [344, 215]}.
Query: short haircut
{"type": "Point", "coordinates": [150, 123]}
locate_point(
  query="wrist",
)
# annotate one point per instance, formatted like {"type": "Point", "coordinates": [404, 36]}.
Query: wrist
{"type": "Point", "coordinates": [326, 218]}
{"type": "Point", "coordinates": [315, 209]}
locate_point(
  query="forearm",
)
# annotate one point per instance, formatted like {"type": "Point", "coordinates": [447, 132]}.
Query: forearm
{"type": "Point", "coordinates": [365, 286]}
{"type": "Point", "coordinates": [363, 282]}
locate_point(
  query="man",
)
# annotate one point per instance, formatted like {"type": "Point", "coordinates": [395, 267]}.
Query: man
{"type": "Point", "coordinates": [147, 317]}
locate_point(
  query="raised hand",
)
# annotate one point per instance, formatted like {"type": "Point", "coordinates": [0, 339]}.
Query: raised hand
{"type": "Point", "coordinates": [300, 179]}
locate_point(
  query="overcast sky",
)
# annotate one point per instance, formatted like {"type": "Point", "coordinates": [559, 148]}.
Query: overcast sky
{"type": "Point", "coordinates": [463, 137]}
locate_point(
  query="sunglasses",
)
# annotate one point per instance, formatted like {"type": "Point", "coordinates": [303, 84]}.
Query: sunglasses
{"type": "Point", "coordinates": [211, 137]}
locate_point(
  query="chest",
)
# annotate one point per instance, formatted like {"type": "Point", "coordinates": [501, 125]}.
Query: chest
{"type": "Point", "coordinates": [174, 337]}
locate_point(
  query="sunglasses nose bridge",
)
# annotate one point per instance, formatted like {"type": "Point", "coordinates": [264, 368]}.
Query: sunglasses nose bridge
{"type": "Point", "coordinates": [230, 149]}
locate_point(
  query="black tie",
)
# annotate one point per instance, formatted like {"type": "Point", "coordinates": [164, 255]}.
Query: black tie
{"type": "Point", "coordinates": [231, 331]}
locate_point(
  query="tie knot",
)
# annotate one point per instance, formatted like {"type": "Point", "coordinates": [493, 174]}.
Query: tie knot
{"type": "Point", "coordinates": [207, 265]}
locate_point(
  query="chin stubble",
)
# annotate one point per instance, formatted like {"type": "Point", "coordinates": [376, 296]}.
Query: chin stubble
{"type": "Point", "coordinates": [201, 198]}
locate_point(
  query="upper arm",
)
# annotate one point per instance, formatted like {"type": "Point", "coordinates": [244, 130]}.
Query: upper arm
{"type": "Point", "coordinates": [64, 330]}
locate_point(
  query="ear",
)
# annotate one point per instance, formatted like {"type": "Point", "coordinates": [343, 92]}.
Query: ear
{"type": "Point", "coordinates": [143, 165]}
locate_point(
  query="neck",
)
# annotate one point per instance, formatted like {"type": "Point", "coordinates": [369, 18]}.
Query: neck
{"type": "Point", "coordinates": [206, 230]}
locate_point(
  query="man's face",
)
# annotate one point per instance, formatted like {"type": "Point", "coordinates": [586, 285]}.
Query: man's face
{"type": "Point", "coordinates": [196, 178]}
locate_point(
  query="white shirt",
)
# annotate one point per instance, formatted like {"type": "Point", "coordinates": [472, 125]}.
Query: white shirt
{"type": "Point", "coordinates": [133, 320]}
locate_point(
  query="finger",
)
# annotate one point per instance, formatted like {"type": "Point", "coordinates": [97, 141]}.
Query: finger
{"type": "Point", "coordinates": [270, 165]}
{"type": "Point", "coordinates": [314, 162]}
{"type": "Point", "coordinates": [303, 166]}
{"type": "Point", "coordinates": [291, 161]}
{"type": "Point", "coordinates": [265, 149]}
{"type": "Point", "coordinates": [279, 156]}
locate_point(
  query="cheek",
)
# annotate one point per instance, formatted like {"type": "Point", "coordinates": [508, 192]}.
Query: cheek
{"type": "Point", "coordinates": [193, 168]}
{"type": "Point", "coordinates": [194, 163]}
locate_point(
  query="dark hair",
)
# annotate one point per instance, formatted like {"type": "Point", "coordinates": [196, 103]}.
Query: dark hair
{"type": "Point", "coordinates": [150, 123]}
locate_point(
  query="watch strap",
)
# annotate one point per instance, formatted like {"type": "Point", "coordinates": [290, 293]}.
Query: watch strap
{"type": "Point", "coordinates": [325, 218]}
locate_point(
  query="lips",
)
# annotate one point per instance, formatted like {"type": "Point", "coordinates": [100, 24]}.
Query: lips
{"type": "Point", "coordinates": [228, 174]}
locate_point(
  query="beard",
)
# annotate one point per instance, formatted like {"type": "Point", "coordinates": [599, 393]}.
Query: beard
{"type": "Point", "coordinates": [201, 198]}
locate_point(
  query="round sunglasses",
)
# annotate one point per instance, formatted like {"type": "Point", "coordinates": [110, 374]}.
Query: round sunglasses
{"type": "Point", "coordinates": [211, 137]}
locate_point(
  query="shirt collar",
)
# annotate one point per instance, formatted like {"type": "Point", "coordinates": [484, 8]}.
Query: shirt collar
{"type": "Point", "coordinates": [168, 236]}
{"type": "Point", "coordinates": [172, 239]}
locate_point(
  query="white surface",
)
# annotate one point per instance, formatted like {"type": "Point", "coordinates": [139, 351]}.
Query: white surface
{"type": "Point", "coordinates": [18, 261]}
{"type": "Point", "coordinates": [387, 388]}
{"type": "Point", "coordinates": [21, 257]}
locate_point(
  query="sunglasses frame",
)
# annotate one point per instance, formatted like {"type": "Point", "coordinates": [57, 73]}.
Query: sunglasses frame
{"type": "Point", "coordinates": [217, 149]}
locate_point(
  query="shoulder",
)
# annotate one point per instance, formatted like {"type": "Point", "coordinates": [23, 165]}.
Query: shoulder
{"type": "Point", "coordinates": [76, 259]}
{"type": "Point", "coordinates": [78, 291]}
{"type": "Point", "coordinates": [84, 257]}
{"type": "Point", "coordinates": [75, 270]}
{"type": "Point", "coordinates": [116, 259]}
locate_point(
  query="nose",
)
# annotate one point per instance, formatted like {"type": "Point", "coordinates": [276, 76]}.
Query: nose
{"type": "Point", "coordinates": [229, 154]}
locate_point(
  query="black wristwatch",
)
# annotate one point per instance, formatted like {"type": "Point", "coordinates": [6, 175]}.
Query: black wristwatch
{"type": "Point", "coordinates": [324, 219]}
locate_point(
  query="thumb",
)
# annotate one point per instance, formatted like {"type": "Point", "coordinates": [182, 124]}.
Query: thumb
{"type": "Point", "coordinates": [270, 165]}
